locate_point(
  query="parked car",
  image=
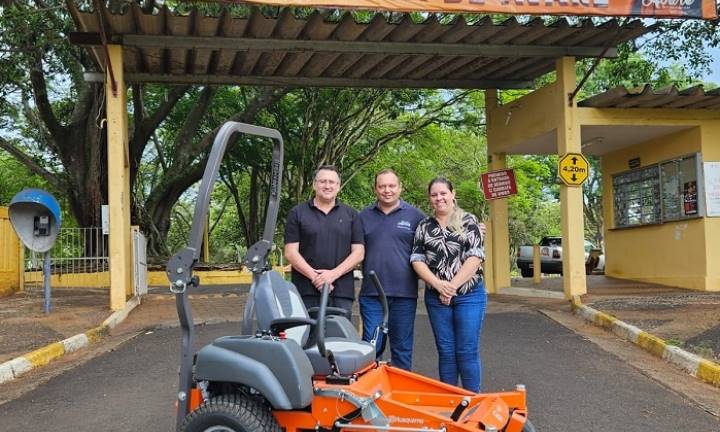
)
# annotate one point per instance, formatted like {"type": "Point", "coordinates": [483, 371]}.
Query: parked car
{"type": "Point", "coordinates": [551, 257]}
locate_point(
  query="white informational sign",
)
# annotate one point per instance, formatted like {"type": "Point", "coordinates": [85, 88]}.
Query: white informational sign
{"type": "Point", "coordinates": [712, 188]}
{"type": "Point", "coordinates": [105, 218]}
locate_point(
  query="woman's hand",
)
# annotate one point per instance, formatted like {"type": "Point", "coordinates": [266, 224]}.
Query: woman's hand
{"type": "Point", "coordinates": [445, 300]}
{"type": "Point", "coordinates": [445, 288]}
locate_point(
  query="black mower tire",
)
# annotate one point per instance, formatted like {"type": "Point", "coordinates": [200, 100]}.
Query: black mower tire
{"type": "Point", "coordinates": [226, 413]}
{"type": "Point", "coordinates": [528, 427]}
{"type": "Point", "coordinates": [526, 273]}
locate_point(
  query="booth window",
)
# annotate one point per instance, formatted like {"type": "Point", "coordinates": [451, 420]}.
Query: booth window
{"type": "Point", "coordinates": [663, 192]}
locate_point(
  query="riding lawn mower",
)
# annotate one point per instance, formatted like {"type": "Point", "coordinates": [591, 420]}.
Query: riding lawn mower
{"type": "Point", "coordinates": [306, 370]}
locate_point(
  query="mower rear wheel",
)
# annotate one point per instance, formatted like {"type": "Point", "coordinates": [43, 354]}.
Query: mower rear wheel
{"type": "Point", "coordinates": [528, 427]}
{"type": "Point", "coordinates": [230, 413]}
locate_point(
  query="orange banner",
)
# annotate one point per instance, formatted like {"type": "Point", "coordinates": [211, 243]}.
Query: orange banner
{"type": "Point", "coordinates": [704, 9]}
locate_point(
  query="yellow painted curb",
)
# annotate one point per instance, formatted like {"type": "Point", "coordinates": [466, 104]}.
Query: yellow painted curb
{"type": "Point", "coordinates": [605, 320]}
{"type": "Point", "coordinates": [709, 372]}
{"type": "Point", "coordinates": [653, 344]}
{"type": "Point", "coordinates": [45, 354]}
{"type": "Point", "coordinates": [96, 334]}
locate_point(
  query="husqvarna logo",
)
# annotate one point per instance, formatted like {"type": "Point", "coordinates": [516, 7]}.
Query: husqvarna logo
{"type": "Point", "coordinates": [406, 420]}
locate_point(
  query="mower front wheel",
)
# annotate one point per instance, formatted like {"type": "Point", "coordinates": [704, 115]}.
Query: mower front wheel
{"type": "Point", "coordinates": [528, 427]}
{"type": "Point", "coordinates": [230, 413]}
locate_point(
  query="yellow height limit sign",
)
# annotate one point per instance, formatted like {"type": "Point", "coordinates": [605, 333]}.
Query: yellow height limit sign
{"type": "Point", "coordinates": [573, 169]}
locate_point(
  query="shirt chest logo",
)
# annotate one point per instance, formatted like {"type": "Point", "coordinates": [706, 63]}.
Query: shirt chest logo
{"type": "Point", "coordinates": [404, 225]}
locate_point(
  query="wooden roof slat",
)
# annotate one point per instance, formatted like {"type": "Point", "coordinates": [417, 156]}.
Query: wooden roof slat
{"type": "Point", "coordinates": [661, 98]}
{"type": "Point", "coordinates": [403, 31]}
{"type": "Point", "coordinates": [285, 46]}
{"type": "Point", "coordinates": [647, 97]}
{"type": "Point", "coordinates": [533, 30]}
{"type": "Point", "coordinates": [482, 31]}
{"type": "Point", "coordinates": [708, 103]}
{"type": "Point", "coordinates": [432, 30]}
{"type": "Point", "coordinates": [538, 69]}
{"type": "Point", "coordinates": [178, 26]}
{"type": "Point", "coordinates": [459, 30]}
{"type": "Point", "coordinates": [376, 30]}
{"type": "Point", "coordinates": [141, 64]}
{"type": "Point", "coordinates": [511, 30]}
{"type": "Point", "coordinates": [258, 26]}
{"type": "Point", "coordinates": [325, 81]}
{"type": "Point", "coordinates": [383, 68]}
{"type": "Point", "coordinates": [559, 31]}
{"type": "Point", "coordinates": [409, 66]}
{"type": "Point", "coordinates": [518, 66]}
{"type": "Point", "coordinates": [316, 28]}
{"type": "Point", "coordinates": [498, 65]}
{"type": "Point", "coordinates": [431, 66]}
{"type": "Point", "coordinates": [230, 27]}
{"type": "Point", "coordinates": [346, 30]}
{"type": "Point", "coordinates": [288, 27]}
{"type": "Point", "coordinates": [467, 64]}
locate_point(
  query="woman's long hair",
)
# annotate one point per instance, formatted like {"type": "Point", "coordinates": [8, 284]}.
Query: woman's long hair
{"type": "Point", "coordinates": [456, 217]}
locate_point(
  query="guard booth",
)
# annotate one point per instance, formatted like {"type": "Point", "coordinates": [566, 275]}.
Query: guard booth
{"type": "Point", "coordinates": [660, 159]}
{"type": "Point", "coordinates": [333, 49]}
{"type": "Point", "coordinates": [11, 253]}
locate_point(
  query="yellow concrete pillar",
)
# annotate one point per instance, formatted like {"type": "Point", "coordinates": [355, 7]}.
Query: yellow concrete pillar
{"type": "Point", "coordinates": [21, 266]}
{"type": "Point", "coordinates": [488, 272]}
{"type": "Point", "coordinates": [537, 265]}
{"type": "Point", "coordinates": [571, 197]}
{"type": "Point", "coordinates": [119, 200]}
{"type": "Point", "coordinates": [498, 231]}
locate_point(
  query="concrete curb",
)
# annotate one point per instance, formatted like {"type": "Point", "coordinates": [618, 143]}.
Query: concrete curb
{"type": "Point", "coordinates": [703, 369]}
{"type": "Point", "coordinates": [19, 366]}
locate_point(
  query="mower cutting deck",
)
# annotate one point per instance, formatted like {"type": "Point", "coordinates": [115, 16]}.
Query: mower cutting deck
{"type": "Point", "coordinates": [287, 375]}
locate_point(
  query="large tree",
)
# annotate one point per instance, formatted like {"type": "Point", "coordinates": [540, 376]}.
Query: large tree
{"type": "Point", "coordinates": [343, 127]}
{"type": "Point", "coordinates": [53, 120]}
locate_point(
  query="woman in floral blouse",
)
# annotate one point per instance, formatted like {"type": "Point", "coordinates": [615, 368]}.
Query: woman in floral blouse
{"type": "Point", "coordinates": [448, 254]}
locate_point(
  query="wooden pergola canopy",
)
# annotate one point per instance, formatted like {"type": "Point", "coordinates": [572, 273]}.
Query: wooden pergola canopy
{"type": "Point", "coordinates": [318, 51]}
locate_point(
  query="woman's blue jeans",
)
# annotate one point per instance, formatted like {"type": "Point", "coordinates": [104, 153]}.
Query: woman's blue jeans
{"type": "Point", "coordinates": [457, 330]}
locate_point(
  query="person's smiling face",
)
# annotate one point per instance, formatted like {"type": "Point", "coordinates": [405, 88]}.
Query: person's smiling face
{"type": "Point", "coordinates": [326, 185]}
{"type": "Point", "coordinates": [388, 189]}
{"type": "Point", "coordinates": [441, 198]}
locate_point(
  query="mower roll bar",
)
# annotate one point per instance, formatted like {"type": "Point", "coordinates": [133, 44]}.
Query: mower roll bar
{"type": "Point", "coordinates": [383, 327]}
{"type": "Point", "coordinates": [180, 266]}
{"type": "Point", "coordinates": [322, 313]}
{"type": "Point", "coordinates": [320, 323]}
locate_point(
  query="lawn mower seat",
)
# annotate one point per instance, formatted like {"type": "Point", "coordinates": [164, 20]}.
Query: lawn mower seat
{"type": "Point", "coordinates": [275, 298]}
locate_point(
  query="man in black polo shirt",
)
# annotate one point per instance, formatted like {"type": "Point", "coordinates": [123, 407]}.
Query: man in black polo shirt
{"type": "Point", "coordinates": [324, 242]}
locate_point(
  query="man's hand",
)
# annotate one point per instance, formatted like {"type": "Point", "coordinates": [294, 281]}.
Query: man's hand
{"type": "Point", "coordinates": [322, 277]}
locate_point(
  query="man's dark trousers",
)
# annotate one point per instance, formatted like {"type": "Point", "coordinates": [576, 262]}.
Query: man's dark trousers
{"type": "Point", "coordinates": [401, 324]}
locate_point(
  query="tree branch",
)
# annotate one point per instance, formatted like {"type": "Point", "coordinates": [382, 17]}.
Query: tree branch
{"type": "Point", "coordinates": [31, 164]}
{"type": "Point", "coordinates": [37, 79]}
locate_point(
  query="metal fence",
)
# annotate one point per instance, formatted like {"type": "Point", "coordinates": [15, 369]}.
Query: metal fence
{"type": "Point", "coordinates": [79, 258]}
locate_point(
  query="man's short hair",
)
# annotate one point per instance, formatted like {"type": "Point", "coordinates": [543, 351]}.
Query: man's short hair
{"type": "Point", "coordinates": [326, 168]}
{"type": "Point", "coordinates": [387, 171]}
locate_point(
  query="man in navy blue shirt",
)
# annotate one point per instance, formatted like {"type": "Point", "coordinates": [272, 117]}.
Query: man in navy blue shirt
{"type": "Point", "coordinates": [323, 243]}
{"type": "Point", "coordinates": [389, 228]}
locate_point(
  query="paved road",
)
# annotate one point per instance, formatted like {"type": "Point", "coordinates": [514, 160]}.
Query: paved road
{"type": "Point", "coordinates": [572, 384]}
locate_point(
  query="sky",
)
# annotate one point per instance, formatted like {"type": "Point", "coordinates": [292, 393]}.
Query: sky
{"type": "Point", "coordinates": [714, 74]}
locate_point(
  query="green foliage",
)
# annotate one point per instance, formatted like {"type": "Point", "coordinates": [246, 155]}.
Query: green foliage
{"type": "Point", "coordinates": [685, 42]}
{"type": "Point", "coordinates": [15, 177]}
